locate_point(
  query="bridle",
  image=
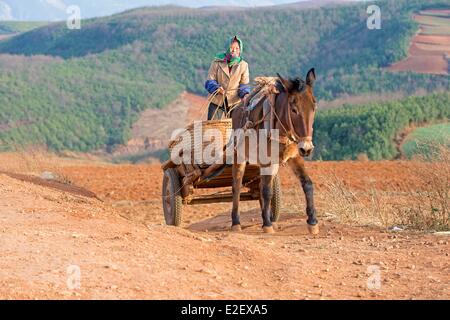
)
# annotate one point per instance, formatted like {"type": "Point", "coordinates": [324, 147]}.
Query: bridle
{"type": "Point", "coordinates": [291, 135]}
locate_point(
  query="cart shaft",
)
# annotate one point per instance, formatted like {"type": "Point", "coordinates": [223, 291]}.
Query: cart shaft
{"type": "Point", "coordinates": [247, 196]}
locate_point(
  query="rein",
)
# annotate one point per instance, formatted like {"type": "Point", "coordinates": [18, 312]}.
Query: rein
{"type": "Point", "coordinates": [290, 137]}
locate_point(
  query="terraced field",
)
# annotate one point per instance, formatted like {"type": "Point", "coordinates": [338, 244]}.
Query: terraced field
{"type": "Point", "coordinates": [430, 48]}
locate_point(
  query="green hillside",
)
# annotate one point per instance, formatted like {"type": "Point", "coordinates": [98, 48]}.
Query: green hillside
{"type": "Point", "coordinates": [101, 77]}
{"type": "Point", "coordinates": [371, 129]}
{"type": "Point", "coordinates": [8, 27]}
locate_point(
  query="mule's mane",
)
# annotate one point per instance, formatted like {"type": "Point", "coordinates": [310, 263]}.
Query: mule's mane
{"type": "Point", "coordinates": [296, 84]}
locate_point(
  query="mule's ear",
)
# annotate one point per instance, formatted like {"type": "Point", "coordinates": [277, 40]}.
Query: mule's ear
{"type": "Point", "coordinates": [285, 83]}
{"type": "Point", "coordinates": [311, 77]}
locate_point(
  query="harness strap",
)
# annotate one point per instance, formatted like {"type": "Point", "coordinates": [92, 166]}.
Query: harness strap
{"type": "Point", "coordinates": [269, 108]}
{"type": "Point", "coordinates": [288, 139]}
{"type": "Point", "coordinates": [288, 132]}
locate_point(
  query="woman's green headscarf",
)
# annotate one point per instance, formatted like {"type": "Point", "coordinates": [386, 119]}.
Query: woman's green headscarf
{"type": "Point", "coordinates": [226, 56]}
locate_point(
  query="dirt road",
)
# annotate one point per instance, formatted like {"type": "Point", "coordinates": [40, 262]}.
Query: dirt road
{"type": "Point", "coordinates": [59, 241]}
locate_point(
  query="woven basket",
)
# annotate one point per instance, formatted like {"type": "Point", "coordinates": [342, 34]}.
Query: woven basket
{"type": "Point", "coordinates": [200, 139]}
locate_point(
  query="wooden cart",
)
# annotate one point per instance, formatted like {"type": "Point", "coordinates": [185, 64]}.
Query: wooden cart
{"type": "Point", "coordinates": [181, 181]}
{"type": "Point", "coordinates": [175, 193]}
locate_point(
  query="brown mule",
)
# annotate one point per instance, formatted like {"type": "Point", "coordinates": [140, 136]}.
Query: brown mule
{"type": "Point", "coordinates": [292, 112]}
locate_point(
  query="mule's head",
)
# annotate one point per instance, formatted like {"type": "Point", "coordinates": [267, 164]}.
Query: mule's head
{"type": "Point", "coordinates": [297, 104]}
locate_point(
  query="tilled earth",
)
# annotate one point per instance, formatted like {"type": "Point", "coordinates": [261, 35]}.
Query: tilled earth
{"type": "Point", "coordinates": [100, 234]}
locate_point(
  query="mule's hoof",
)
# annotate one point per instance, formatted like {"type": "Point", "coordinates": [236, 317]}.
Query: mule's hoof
{"type": "Point", "coordinates": [236, 228]}
{"type": "Point", "coordinates": [314, 230]}
{"type": "Point", "coordinates": [268, 230]}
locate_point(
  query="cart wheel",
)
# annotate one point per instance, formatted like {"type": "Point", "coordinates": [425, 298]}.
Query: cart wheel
{"type": "Point", "coordinates": [276, 199]}
{"type": "Point", "coordinates": [171, 197]}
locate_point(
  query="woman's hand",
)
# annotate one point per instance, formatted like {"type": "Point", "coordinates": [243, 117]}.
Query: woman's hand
{"type": "Point", "coordinates": [221, 90]}
{"type": "Point", "coordinates": [245, 98]}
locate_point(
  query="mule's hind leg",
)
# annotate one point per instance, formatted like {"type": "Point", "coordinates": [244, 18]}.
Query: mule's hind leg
{"type": "Point", "coordinates": [298, 166]}
{"type": "Point", "coordinates": [266, 197]}
{"type": "Point", "coordinates": [238, 175]}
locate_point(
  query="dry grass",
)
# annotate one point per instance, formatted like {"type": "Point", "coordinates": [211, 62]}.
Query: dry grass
{"type": "Point", "coordinates": [346, 205]}
{"type": "Point", "coordinates": [432, 205]}
{"type": "Point", "coordinates": [424, 209]}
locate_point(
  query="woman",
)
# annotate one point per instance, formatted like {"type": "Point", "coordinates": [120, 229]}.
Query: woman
{"type": "Point", "coordinates": [229, 76]}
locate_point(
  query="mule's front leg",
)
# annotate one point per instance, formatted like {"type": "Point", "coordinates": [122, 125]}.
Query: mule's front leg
{"type": "Point", "coordinates": [266, 197]}
{"type": "Point", "coordinates": [298, 166]}
{"type": "Point", "coordinates": [238, 175]}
